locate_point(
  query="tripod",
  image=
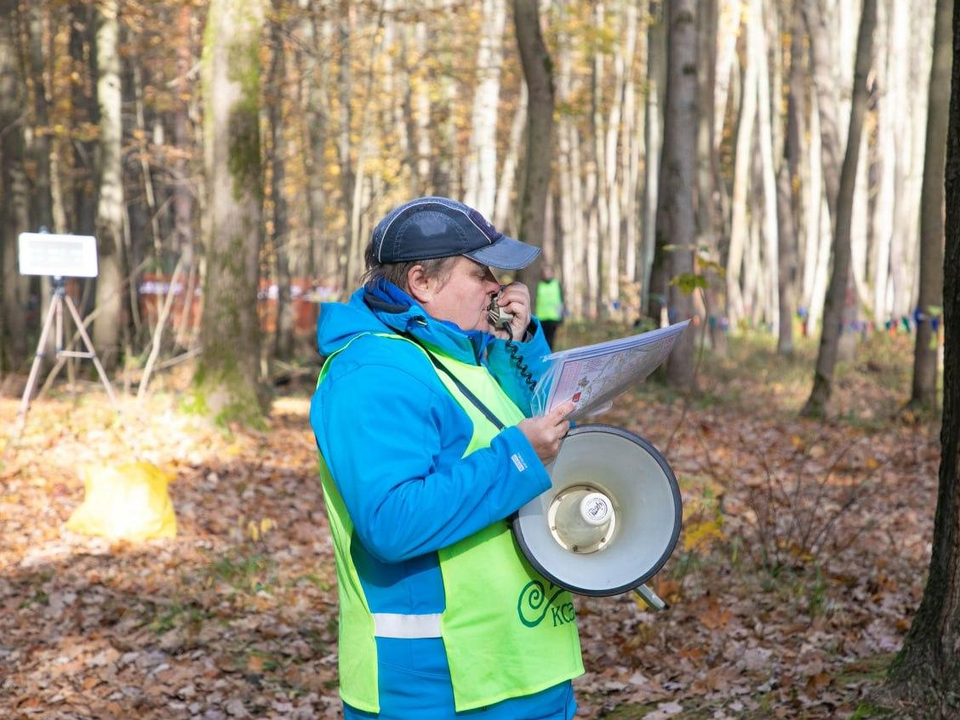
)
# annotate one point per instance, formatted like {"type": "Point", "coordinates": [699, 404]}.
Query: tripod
{"type": "Point", "coordinates": [55, 314]}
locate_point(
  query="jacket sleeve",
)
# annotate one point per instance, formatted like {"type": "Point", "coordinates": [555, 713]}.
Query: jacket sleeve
{"type": "Point", "coordinates": [505, 370]}
{"type": "Point", "coordinates": [382, 433]}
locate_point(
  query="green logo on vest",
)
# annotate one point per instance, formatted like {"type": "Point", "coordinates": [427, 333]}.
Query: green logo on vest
{"type": "Point", "coordinates": [533, 605]}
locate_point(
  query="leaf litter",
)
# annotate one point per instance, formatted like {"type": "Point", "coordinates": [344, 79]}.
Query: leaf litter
{"type": "Point", "coordinates": [802, 559]}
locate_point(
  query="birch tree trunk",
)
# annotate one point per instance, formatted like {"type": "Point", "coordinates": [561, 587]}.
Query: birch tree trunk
{"type": "Point", "coordinates": [927, 670]}
{"type": "Point", "coordinates": [508, 173]}
{"type": "Point", "coordinates": [924, 389]}
{"type": "Point", "coordinates": [226, 376]}
{"type": "Point", "coordinates": [538, 72]}
{"type": "Point", "coordinates": [825, 86]}
{"type": "Point", "coordinates": [840, 278]}
{"type": "Point", "coordinates": [676, 221]}
{"type": "Point", "coordinates": [741, 179]}
{"type": "Point", "coordinates": [109, 223]}
{"type": "Point", "coordinates": [481, 170]}
{"type": "Point", "coordinates": [765, 130]}
{"type": "Point", "coordinates": [709, 211]}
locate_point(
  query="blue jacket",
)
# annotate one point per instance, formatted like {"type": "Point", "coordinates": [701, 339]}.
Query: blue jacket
{"type": "Point", "coordinates": [393, 438]}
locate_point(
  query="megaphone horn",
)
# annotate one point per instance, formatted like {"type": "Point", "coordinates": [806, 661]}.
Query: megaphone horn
{"type": "Point", "coordinates": [610, 519]}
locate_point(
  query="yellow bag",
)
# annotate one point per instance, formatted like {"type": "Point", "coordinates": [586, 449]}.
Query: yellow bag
{"type": "Point", "coordinates": [125, 502]}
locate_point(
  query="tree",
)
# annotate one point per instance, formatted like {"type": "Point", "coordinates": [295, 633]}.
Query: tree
{"type": "Point", "coordinates": [225, 379]}
{"type": "Point", "coordinates": [924, 391]}
{"type": "Point", "coordinates": [837, 291]}
{"type": "Point", "coordinates": [481, 169]}
{"type": "Point", "coordinates": [927, 670]}
{"type": "Point", "coordinates": [109, 222]}
{"type": "Point", "coordinates": [676, 221]}
{"type": "Point", "coordinates": [787, 177]}
{"type": "Point", "coordinates": [538, 72]}
{"type": "Point", "coordinates": [13, 190]}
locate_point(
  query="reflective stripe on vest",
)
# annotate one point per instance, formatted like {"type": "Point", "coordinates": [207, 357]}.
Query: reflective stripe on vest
{"type": "Point", "coordinates": [398, 625]}
{"type": "Point", "coordinates": [507, 631]}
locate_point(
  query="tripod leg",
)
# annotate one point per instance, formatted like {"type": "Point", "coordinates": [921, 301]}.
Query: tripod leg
{"type": "Point", "coordinates": [35, 368]}
{"type": "Point", "coordinates": [93, 353]}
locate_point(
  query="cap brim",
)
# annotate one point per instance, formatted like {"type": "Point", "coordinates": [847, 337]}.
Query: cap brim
{"type": "Point", "coordinates": [505, 254]}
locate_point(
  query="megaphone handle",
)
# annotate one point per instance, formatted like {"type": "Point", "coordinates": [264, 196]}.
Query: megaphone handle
{"type": "Point", "coordinates": [653, 601]}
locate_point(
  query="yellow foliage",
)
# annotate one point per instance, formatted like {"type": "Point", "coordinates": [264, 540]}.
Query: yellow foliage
{"type": "Point", "coordinates": [128, 502]}
{"type": "Point", "coordinates": [699, 535]}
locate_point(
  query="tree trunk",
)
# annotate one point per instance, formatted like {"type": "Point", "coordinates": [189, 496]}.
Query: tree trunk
{"type": "Point", "coordinates": [654, 273]}
{"type": "Point", "coordinates": [676, 221]}
{"type": "Point", "coordinates": [283, 332]}
{"type": "Point", "coordinates": [182, 195]}
{"type": "Point", "coordinates": [109, 224]}
{"type": "Point", "coordinates": [838, 289]}
{"type": "Point", "coordinates": [226, 376]}
{"type": "Point", "coordinates": [502, 217]}
{"type": "Point", "coordinates": [787, 206]}
{"type": "Point", "coordinates": [481, 170]}
{"type": "Point", "coordinates": [538, 72]}
{"type": "Point", "coordinates": [769, 293]}
{"type": "Point", "coordinates": [927, 670]}
{"type": "Point", "coordinates": [13, 190]}
{"type": "Point", "coordinates": [924, 390]}
{"type": "Point", "coordinates": [709, 209]}
{"type": "Point", "coordinates": [741, 180]}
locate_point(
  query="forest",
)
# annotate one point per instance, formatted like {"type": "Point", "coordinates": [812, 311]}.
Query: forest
{"type": "Point", "coordinates": [783, 173]}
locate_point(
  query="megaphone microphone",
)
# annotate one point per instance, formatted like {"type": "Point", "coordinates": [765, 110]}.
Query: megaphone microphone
{"type": "Point", "coordinates": [610, 519]}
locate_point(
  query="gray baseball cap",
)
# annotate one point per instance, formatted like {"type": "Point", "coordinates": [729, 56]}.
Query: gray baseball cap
{"type": "Point", "coordinates": [435, 227]}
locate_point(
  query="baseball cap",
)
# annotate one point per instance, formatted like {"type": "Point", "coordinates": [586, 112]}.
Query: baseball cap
{"type": "Point", "coordinates": [436, 227]}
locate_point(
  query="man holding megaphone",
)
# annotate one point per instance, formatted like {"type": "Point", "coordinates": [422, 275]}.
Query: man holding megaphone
{"type": "Point", "coordinates": [420, 416]}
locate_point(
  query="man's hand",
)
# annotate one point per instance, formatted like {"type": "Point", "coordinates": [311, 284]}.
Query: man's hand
{"type": "Point", "coordinates": [515, 299]}
{"type": "Point", "coordinates": [546, 432]}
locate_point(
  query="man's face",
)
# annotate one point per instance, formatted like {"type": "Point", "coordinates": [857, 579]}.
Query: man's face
{"type": "Point", "coordinates": [464, 297]}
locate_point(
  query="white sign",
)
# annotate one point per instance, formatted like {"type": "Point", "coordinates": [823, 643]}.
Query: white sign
{"type": "Point", "coordinates": [57, 255]}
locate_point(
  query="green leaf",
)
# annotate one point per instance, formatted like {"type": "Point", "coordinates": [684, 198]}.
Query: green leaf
{"type": "Point", "coordinates": [688, 282]}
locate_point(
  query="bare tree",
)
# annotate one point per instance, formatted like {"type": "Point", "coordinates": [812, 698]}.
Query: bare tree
{"type": "Point", "coordinates": [676, 220]}
{"type": "Point", "coordinates": [833, 310]}
{"type": "Point", "coordinates": [924, 390]}
{"type": "Point", "coordinates": [787, 179]}
{"type": "Point", "coordinates": [226, 376]}
{"type": "Point", "coordinates": [13, 189]}
{"type": "Point", "coordinates": [481, 170]}
{"type": "Point", "coordinates": [538, 72]}
{"type": "Point", "coordinates": [927, 670]}
{"type": "Point", "coordinates": [109, 223]}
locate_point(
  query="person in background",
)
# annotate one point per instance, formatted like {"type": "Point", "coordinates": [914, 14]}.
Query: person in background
{"type": "Point", "coordinates": [420, 418]}
{"type": "Point", "coordinates": [549, 303]}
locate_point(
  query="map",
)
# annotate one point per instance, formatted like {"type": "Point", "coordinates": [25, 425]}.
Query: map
{"type": "Point", "coordinates": [593, 375]}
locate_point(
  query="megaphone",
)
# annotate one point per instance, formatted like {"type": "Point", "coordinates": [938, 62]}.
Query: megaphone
{"type": "Point", "coordinates": [610, 519]}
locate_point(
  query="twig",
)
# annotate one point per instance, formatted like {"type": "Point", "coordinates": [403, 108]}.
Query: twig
{"type": "Point", "coordinates": [158, 331]}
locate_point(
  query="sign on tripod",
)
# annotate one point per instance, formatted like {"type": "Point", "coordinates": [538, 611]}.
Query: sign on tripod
{"type": "Point", "coordinates": [59, 257]}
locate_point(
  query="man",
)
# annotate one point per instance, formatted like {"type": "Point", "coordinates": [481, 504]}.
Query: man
{"type": "Point", "coordinates": [425, 450]}
{"type": "Point", "coordinates": [549, 303]}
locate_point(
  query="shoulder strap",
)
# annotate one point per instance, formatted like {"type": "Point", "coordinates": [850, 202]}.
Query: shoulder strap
{"type": "Point", "coordinates": [487, 413]}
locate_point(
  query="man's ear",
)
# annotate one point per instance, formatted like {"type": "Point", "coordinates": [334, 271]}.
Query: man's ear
{"type": "Point", "coordinates": [420, 286]}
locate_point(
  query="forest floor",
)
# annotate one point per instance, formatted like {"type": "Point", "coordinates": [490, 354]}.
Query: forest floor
{"type": "Point", "coordinates": [802, 558]}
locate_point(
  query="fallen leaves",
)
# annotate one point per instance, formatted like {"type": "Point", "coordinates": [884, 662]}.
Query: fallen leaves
{"type": "Point", "coordinates": [237, 617]}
